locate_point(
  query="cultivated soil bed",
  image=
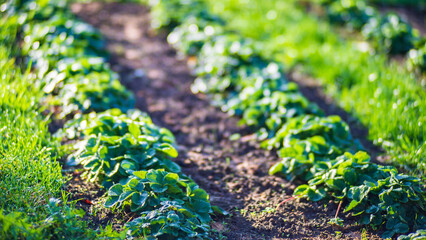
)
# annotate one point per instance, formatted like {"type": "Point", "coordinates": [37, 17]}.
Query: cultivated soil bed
{"type": "Point", "coordinates": [233, 172]}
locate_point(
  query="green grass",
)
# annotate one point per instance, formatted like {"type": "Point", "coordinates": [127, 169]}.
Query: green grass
{"type": "Point", "coordinates": [387, 99]}
{"type": "Point", "coordinates": [29, 174]}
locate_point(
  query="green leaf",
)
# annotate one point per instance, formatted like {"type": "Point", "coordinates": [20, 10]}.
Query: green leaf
{"type": "Point", "coordinates": [350, 176]}
{"type": "Point", "coordinates": [158, 188]}
{"type": "Point", "coordinates": [168, 149]}
{"type": "Point", "coordinates": [301, 190]}
{"type": "Point", "coordinates": [139, 199]}
{"type": "Point", "coordinates": [113, 171]}
{"type": "Point", "coordinates": [373, 209]}
{"type": "Point", "coordinates": [336, 184]}
{"type": "Point", "coordinates": [391, 223]}
{"type": "Point", "coordinates": [388, 234]}
{"type": "Point", "coordinates": [132, 182]}
{"type": "Point", "coordinates": [199, 194]}
{"type": "Point", "coordinates": [111, 201]}
{"type": "Point", "coordinates": [115, 190]}
{"type": "Point", "coordinates": [314, 195]}
{"type": "Point", "coordinates": [171, 178]}
{"type": "Point", "coordinates": [140, 174]}
{"type": "Point", "coordinates": [172, 166]}
{"type": "Point", "coordinates": [128, 165]}
{"type": "Point", "coordinates": [201, 206]}
{"type": "Point", "coordinates": [401, 228]}
{"type": "Point", "coordinates": [219, 211]}
{"type": "Point", "coordinates": [276, 168]}
{"type": "Point", "coordinates": [126, 195]}
{"type": "Point", "coordinates": [134, 130]}
{"type": "Point", "coordinates": [351, 205]}
{"type": "Point", "coordinates": [91, 163]}
{"type": "Point", "coordinates": [365, 219]}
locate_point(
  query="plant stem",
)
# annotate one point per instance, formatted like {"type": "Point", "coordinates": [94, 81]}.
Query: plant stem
{"type": "Point", "coordinates": [288, 199]}
{"type": "Point", "coordinates": [338, 209]}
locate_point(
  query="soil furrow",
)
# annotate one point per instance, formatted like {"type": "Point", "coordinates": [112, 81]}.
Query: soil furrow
{"type": "Point", "coordinates": [234, 173]}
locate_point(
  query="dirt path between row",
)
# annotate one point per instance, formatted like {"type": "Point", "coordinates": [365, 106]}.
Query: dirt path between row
{"type": "Point", "coordinates": [234, 173]}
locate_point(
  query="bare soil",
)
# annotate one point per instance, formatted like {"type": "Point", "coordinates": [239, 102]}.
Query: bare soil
{"type": "Point", "coordinates": [234, 173]}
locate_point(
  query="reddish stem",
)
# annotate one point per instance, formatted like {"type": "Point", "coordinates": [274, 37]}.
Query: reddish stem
{"type": "Point", "coordinates": [338, 209]}
{"type": "Point", "coordinates": [288, 199]}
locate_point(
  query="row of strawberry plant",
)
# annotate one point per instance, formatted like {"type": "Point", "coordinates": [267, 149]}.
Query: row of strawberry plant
{"type": "Point", "coordinates": [368, 86]}
{"type": "Point", "coordinates": [387, 33]}
{"type": "Point", "coordinates": [314, 148]}
{"type": "Point", "coordinates": [131, 157]}
{"type": "Point", "coordinates": [117, 145]}
{"type": "Point", "coordinates": [30, 175]}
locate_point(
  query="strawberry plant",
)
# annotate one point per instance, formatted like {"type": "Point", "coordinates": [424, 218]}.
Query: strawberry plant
{"type": "Point", "coordinates": [223, 62]}
{"type": "Point", "coordinates": [418, 235]}
{"type": "Point", "coordinates": [332, 130]}
{"type": "Point", "coordinates": [82, 84]}
{"type": "Point", "coordinates": [57, 38]}
{"type": "Point", "coordinates": [235, 76]}
{"type": "Point", "coordinates": [113, 122]}
{"type": "Point", "coordinates": [94, 92]}
{"type": "Point", "coordinates": [171, 206]}
{"type": "Point", "coordinates": [390, 34]}
{"type": "Point", "coordinates": [52, 79]}
{"type": "Point", "coordinates": [190, 36]}
{"type": "Point", "coordinates": [417, 57]}
{"type": "Point", "coordinates": [377, 194]}
{"type": "Point", "coordinates": [117, 149]}
{"type": "Point", "coordinates": [271, 110]}
{"type": "Point", "coordinates": [182, 10]}
{"type": "Point", "coordinates": [115, 144]}
{"type": "Point", "coordinates": [246, 85]}
{"type": "Point", "coordinates": [170, 221]}
{"type": "Point", "coordinates": [308, 143]}
{"type": "Point", "coordinates": [353, 13]}
{"type": "Point", "coordinates": [147, 190]}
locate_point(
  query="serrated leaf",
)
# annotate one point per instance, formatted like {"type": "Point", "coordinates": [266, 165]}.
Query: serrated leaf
{"type": "Point", "coordinates": [111, 201]}
{"type": "Point", "coordinates": [350, 176]}
{"type": "Point", "coordinates": [115, 190]}
{"type": "Point", "coordinates": [126, 195]}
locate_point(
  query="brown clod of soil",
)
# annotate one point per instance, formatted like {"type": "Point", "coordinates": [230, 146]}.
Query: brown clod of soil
{"type": "Point", "coordinates": [234, 173]}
